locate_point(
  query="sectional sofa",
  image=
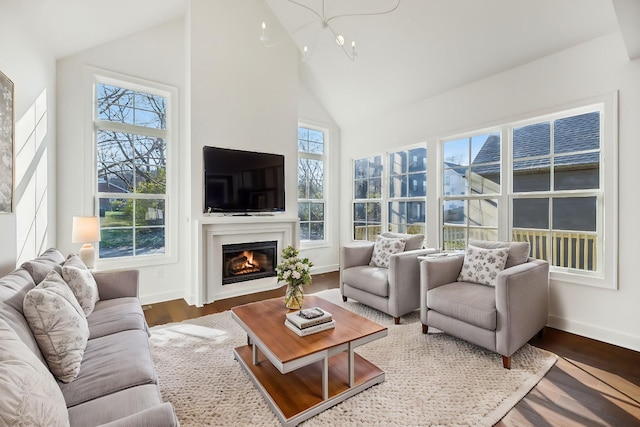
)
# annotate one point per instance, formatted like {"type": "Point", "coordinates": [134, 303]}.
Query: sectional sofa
{"type": "Point", "coordinates": [72, 354]}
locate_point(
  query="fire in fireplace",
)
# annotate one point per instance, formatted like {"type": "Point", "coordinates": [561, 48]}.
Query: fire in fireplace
{"type": "Point", "coordinates": [248, 261]}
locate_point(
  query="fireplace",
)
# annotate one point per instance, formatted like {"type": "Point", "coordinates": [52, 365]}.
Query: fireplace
{"type": "Point", "coordinates": [248, 261]}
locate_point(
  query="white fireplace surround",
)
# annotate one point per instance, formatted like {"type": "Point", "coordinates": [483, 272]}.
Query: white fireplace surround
{"type": "Point", "coordinates": [217, 231]}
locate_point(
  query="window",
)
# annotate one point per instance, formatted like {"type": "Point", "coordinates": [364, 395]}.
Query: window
{"type": "Point", "coordinates": [311, 184]}
{"type": "Point", "coordinates": [407, 191]}
{"type": "Point", "coordinates": [551, 192]}
{"type": "Point", "coordinates": [367, 190]}
{"type": "Point", "coordinates": [556, 189]}
{"type": "Point", "coordinates": [471, 186]}
{"type": "Point", "coordinates": [130, 130]}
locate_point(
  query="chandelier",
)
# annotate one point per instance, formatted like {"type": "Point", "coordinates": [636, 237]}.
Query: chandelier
{"type": "Point", "coordinates": [326, 23]}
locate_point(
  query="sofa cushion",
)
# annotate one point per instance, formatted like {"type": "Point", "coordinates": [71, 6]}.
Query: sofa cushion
{"type": "Point", "coordinates": [384, 248]}
{"type": "Point", "coordinates": [414, 241]}
{"type": "Point", "coordinates": [374, 280]}
{"type": "Point", "coordinates": [111, 363]}
{"type": "Point", "coordinates": [469, 302]}
{"type": "Point", "coordinates": [39, 267]}
{"type": "Point", "coordinates": [30, 394]}
{"type": "Point", "coordinates": [518, 251]}
{"type": "Point", "coordinates": [482, 265]}
{"type": "Point", "coordinates": [58, 324]}
{"type": "Point", "coordinates": [115, 406]}
{"type": "Point", "coordinates": [81, 282]}
{"type": "Point", "coordinates": [116, 315]}
{"type": "Point", "coordinates": [13, 288]}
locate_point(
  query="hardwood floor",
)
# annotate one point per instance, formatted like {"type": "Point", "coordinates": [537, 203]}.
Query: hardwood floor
{"type": "Point", "coordinates": [592, 384]}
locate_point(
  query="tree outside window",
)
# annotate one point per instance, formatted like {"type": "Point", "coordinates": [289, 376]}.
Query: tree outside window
{"type": "Point", "coordinates": [311, 187]}
{"type": "Point", "coordinates": [130, 130]}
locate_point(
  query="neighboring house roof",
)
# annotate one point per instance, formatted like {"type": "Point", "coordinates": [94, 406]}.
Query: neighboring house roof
{"type": "Point", "coordinates": [571, 134]}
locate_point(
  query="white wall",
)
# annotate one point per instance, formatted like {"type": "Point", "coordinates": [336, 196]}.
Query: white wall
{"type": "Point", "coordinates": [156, 55]}
{"type": "Point", "coordinates": [586, 71]}
{"type": "Point", "coordinates": [243, 96]}
{"type": "Point", "coordinates": [31, 228]}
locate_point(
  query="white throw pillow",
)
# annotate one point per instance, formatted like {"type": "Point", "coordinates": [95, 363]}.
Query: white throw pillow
{"type": "Point", "coordinates": [59, 325]}
{"type": "Point", "coordinates": [483, 265]}
{"type": "Point", "coordinates": [81, 282]}
{"type": "Point", "coordinates": [30, 394]}
{"type": "Point", "coordinates": [384, 248]}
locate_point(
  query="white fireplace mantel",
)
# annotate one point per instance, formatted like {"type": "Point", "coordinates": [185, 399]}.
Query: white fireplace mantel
{"type": "Point", "coordinates": [215, 231]}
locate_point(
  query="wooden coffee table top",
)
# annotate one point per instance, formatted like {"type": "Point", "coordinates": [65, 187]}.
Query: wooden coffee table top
{"type": "Point", "coordinates": [266, 319]}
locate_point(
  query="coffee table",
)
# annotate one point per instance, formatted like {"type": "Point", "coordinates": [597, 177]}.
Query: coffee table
{"type": "Point", "coordinates": [302, 376]}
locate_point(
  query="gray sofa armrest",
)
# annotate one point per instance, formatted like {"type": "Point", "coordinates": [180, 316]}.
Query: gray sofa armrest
{"type": "Point", "coordinates": [156, 416]}
{"type": "Point", "coordinates": [404, 269]}
{"type": "Point", "coordinates": [522, 295]}
{"type": "Point", "coordinates": [438, 271]}
{"type": "Point", "coordinates": [404, 280]}
{"type": "Point", "coordinates": [434, 272]}
{"type": "Point", "coordinates": [117, 284]}
{"type": "Point", "coordinates": [357, 253]}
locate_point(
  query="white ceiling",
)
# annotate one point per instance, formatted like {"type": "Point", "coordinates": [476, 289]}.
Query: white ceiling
{"type": "Point", "coordinates": [65, 27]}
{"type": "Point", "coordinates": [427, 47]}
{"type": "Point", "coordinates": [424, 48]}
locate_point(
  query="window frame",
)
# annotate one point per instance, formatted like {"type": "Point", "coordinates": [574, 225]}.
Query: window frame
{"type": "Point", "coordinates": [388, 198]}
{"type": "Point", "coordinates": [606, 195]}
{"type": "Point", "coordinates": [380, 201]}
{"type": "Point", "coordinates": [607, 201]}
{"type": "Point", "coordinates": [324, 157]}
{"type": "Point", "coordinates": [97, 76]}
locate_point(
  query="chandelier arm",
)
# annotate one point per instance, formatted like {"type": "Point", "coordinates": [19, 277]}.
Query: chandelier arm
{"type": "Point", "coordinates": [308, 8]}
{"type": "Point", "coordinates": [351, 56]}
{"type": "Point", "coordinates": [360, 14]}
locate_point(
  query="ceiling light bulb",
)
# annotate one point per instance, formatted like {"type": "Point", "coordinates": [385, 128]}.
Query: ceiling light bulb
{"type": "Point", "coordinates": [264, 25]}
{"type": "Point", "coordinates": [353, 44]}
{"type": "Point", "coordinates": [305, 50]}
{"type": "Point", "coordinates": [340, 39]}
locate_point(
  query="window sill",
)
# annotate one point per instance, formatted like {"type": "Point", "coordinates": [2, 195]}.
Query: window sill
{"type": "Point", "coordinates": [134, 262]}
{"type": "Point", "coordinates": [582, 279]}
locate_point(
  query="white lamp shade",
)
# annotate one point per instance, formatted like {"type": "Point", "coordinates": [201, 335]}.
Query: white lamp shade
{"type": "Point", "coordinates": [86, 229]}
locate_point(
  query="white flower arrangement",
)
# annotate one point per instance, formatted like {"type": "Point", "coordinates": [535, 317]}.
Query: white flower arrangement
{"type": "Point", "coordinates": [294, 270]}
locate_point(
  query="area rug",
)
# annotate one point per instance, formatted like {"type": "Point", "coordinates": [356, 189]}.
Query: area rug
{"type": "Point", "coordinates": [431, 380]}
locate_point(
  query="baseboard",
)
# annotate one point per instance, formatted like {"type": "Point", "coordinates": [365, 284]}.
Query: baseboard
{"type": "Point", "coordinates": [161, 297]}
{"type": "Point", "coordinates": [595, 332]}
{"type": "Point", "coordinates": [325, 268]}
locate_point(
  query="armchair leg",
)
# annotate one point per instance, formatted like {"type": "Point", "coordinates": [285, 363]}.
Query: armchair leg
{"type": "Point", "coordinates": [425, 329]}
{"type": "Point", "coordinates": [344, 299]}
{"type": "Point", "coordinates": [396, 320]}
{"type": "Point", "coordinates": [506, 362]}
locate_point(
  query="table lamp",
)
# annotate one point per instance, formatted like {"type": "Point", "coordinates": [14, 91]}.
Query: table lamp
{"type": "Point", "coordinates": [86, 230]}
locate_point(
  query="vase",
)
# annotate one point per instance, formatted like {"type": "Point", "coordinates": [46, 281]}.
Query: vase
{"type": "Point", "coordinates": [293, 297]}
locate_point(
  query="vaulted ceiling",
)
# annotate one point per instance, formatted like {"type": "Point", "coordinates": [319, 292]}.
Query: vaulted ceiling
{"type": "Point", "coordinates": [423, 48]}
{"type": "Point", "coordinates": [426, 47]}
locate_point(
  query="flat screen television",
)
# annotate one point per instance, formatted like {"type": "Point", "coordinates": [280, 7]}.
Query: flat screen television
{"type": "Point", "coordinates": [237, 181]}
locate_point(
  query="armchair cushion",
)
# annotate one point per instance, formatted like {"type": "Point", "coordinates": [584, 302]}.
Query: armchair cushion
{"type": "Point", "coordinates": [469, 302]}
{"type": "Point", "coordinates": [483, 265]}
{"type": "Point", "coordinates": [374, 280]}
{"type": "Point", "coordinates": [518, 251]}
{"type": "Point", "coordinates": [384, 248]}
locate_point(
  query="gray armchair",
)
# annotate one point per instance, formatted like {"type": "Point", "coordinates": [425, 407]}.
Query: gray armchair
{"type": "Point", "coordinates": [501, 318]}
{"type": "Point", "coordinates": [394, 290]}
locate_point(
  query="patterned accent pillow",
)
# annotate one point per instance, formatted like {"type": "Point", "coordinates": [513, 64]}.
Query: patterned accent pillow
{"type": "Point", "coordinates": [81, 282]}
{"type": "Point", "coordinates": [384, 248]}
{"type": "Point", "coordinates": [30, 394]}
{"type": "Point", "coordinates": [483, 265]}
{"type": "Point", "coordinates": [58, 324]}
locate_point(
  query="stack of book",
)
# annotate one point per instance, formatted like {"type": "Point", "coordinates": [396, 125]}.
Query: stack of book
{"type": "Point", "coordinates": [309, 321]}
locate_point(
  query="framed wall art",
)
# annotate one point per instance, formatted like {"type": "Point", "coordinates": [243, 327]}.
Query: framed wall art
{"type": "Point", "coordinates": [6, 144]}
